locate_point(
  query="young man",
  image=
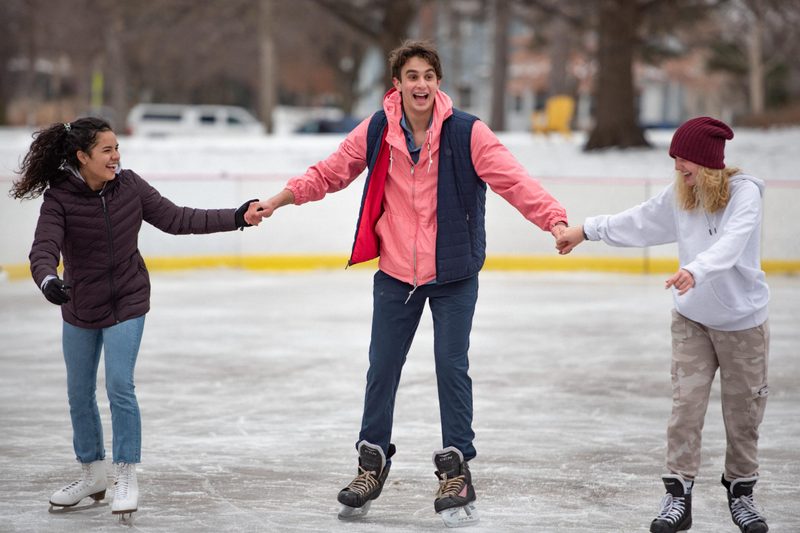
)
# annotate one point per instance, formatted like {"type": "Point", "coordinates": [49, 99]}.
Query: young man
{"type": "Point", "coordinates": [423, 214]}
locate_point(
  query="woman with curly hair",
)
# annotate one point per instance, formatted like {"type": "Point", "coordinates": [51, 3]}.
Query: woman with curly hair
{"type": "Point", "coordinates": [90, 217]}
{"type": "Point", "coordinates": [720, 321]}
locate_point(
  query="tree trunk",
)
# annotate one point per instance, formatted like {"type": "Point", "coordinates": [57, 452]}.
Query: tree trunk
{"type": "Point", "coordinates": [396, 20]}
{"type": "Point", "coordinates": [616, 124]}
{"type": "Point", "coordinates": [755, 59]}
{"type": "Point", "coordinates": [558, 80]}
{"type": "Point", "coordinates": [268, 71]}
{"type": "Point", "coordinates": [497, 120]}
{"type": "Point", "coordinates": [116, 66]}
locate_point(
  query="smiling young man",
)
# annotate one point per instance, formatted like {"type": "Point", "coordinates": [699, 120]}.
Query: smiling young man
{"type": "Point", "coordinates": [422, 213]}
{"type": "Point", "coordinates": [713, 213]}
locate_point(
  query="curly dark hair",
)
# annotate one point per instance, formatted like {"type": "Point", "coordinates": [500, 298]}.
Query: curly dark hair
{"type": "Point", "coordinates": [423, 49]}
{"type": "Point", "coordinates": [53, 148]}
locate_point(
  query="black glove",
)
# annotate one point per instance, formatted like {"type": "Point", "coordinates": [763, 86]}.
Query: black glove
{"type": "Point", "coordinates": [239, 216]}
{"type": "Point", "coordinates": [55, 291]}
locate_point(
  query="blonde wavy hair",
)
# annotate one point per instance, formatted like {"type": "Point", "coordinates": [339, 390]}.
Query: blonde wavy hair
{"type": "Point", "coordinates": [711, 190]}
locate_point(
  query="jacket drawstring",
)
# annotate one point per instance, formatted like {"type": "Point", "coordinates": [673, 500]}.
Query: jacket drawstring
{"type": "Point", "coordinates": [411, 293]}
{"type": "Point", "coordinates": [712, 227]}
{"type": "Point", "coordinates": [391, 157]}
{"type": "Point", "coordinates": [430, 153]}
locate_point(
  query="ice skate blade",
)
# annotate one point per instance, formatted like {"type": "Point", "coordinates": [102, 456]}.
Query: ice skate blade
{"type": "Point", "coordinates": [125, 517]}
{"type": "Point", "coordinates": [61, 509]}
{"type": "Point", "coordinates": [353, 513]}
{"type": "Point", "coordinates": [460, 516]}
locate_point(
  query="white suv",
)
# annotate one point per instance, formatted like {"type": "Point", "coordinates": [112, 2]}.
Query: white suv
{"type": "Point", "coordinates": [159, 120]}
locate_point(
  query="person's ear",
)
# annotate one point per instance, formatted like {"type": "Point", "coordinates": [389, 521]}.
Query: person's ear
{"type": "Point", "coordinates": [83, 157]}
{"type": "Point", "coordinates": [396, 83]}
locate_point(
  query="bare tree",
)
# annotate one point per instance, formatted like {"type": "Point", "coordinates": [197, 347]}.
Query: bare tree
{"type": "Point", "coordinates": [754, 41]}
{"type": "Point", "coordinates": [502, 14]}
{"type": "Point", "coordinates": [11, 32]}
{"type": "Point", "coordinates": [615, 117]}
{"type": "Point", "coordinates": [625, 28]}
{"type": "Point", "coordinates": [384, 23]}
{"type": "Point", "coordinates": [267, 63]}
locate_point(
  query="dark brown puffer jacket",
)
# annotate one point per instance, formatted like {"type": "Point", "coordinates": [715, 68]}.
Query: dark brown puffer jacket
{"type": "Point", "coordinates": [97, 235]}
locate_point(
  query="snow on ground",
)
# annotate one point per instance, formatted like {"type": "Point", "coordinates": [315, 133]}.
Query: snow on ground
{"type": "Point", "coordinates": [769, 154]}
{"type": "Point", "coordinates": [250, 386]}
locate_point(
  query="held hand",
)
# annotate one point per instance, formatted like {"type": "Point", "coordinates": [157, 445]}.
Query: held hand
{"type": "Point", "coordinates": [558, 229]}
{"type": "Point", "coordinates": [239, 216]}
{"type": "Point", "coordinates": [683, 280]}
{"type": "Point", "coordinates": [571, 238]}
{"type": "Point", "coordinates": [261, 210]}
{"type": "Point", "coordinates": [254, 213]}
{"type": "Point", "coordinates": [55, 291]}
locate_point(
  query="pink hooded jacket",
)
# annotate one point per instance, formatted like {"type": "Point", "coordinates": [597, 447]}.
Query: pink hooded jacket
{"type": "Point", "coordinates": [407, 228]}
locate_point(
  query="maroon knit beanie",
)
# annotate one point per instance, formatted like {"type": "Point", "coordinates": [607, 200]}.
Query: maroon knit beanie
{"type": "Point", "coordinates": [701, 140]}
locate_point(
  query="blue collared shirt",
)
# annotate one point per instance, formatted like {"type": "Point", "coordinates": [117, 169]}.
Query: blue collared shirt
{"type": "Point", "coordinates": [413, 150]}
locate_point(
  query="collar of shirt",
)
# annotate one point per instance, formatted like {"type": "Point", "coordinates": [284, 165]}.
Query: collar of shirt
{"type": "Point", "coordinates": [413, 150]}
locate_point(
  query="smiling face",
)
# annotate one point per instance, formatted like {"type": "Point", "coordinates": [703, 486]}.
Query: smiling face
{"type": "Point", "coordinates": [687, 170]}
{"type": "Point", "coordinates": [417, 85]}
{"type": "Point", "coordinates": [100, 163]}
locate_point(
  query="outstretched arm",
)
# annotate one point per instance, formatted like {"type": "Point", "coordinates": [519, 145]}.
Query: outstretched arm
{"type": "Point", "coordinates": [261, 210]}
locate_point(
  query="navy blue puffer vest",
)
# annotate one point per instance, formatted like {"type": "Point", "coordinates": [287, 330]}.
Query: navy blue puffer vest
{"type": "Point", "coordinates": [461, 203]}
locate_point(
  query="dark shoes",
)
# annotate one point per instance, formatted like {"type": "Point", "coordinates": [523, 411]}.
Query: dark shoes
{"type": "Point", "coordinates": [372, 472]}
{"type": "Point", "coordinates": [676, 506]}
{"type": "Point", "coordinates": [742, 506]}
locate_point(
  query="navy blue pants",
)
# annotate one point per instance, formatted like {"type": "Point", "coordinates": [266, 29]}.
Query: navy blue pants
{"type": "Point", "coordinates": [394, 323]}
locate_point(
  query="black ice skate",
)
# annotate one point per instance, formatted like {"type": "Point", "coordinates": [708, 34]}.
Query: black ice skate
{"type": "Point", "coordinates": [368, 484]}
{"type": "Point", "coordinates": [456, 496]}
{"type": "Point", "coordinates": [743, 508]}
{"type": "Point", "coordinates": [676, 506]}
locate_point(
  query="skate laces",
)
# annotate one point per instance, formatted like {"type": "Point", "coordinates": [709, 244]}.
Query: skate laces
{"type": "Point", "coordinates": [73, 487]}
{"type": "Point", "coordinates": [364, 482]}
{"type": "Point", "coordinates": [451, 486]}
{"type": "Point", "coordinates": [77, 485]}
{"type": "Point", "coordinates": [671, 508]}
{"type": "Point", "coordinates": [744, 510]}
{"type": "Point", "coordinates": [123, 479]}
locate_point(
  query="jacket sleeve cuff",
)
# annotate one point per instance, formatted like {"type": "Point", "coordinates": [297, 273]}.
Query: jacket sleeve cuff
{"type": "Point", "coordinates": [590, 229]}
{"type": "Point", "coordinates": [297, 191]}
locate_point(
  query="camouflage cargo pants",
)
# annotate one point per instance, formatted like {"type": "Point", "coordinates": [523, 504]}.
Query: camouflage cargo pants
{"type": "Point", "coordinates": [741, 356]}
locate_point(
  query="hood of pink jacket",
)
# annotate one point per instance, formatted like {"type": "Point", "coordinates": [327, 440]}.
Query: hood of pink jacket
{"type": "Point", "coordinates": [393, 106]}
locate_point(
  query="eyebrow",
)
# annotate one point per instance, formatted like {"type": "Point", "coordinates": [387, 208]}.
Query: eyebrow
{"type": "Point", "coordinates": [415, 71]}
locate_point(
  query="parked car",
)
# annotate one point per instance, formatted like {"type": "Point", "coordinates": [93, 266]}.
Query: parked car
{"type": "Point", "coordinates": [159, 120]}
{"type": "Point", "coordinates": [324, 125]}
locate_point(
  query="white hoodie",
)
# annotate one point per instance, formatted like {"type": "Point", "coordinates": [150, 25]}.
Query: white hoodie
{"type": "Point", "coordinates": [722, 250]}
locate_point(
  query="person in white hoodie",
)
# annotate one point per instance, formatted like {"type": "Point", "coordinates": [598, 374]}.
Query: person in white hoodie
{"type": "Point", "coordinates": [720, 321]}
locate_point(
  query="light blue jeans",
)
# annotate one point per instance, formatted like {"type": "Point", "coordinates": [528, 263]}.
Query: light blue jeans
{"type": "Point", "coordinates": [82, 347]}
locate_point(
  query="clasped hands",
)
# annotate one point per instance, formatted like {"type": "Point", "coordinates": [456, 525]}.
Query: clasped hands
{"type": "Point", "coordinates": [258, 211]}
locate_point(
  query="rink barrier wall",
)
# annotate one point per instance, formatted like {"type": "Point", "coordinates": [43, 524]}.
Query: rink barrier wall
{"type": "Point", "coordinates": [319, 234]}
{"type": "Point", "coordinates": [300, 263]}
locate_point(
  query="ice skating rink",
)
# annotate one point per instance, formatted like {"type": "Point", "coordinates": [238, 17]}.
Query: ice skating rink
{"type": "Point", "coordinates": [250, 386]}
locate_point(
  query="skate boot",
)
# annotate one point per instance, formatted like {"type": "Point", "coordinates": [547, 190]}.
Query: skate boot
{"type": "Point", "coordinates": [368, 484]}
{"type": "Point", "coordinates": [676, 506]}
{"type": "Point", "coordinates": [92, 483]}
{"type": "Point", "coordinates": [742, 506]}
{"type": "Point", "coordinates": [456, 495]}
{"type": "Point", "coordinates": [126, 492]}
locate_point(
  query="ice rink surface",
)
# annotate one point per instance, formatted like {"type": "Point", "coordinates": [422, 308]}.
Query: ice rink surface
{"type": "Point", "coordinates": [251, 384]}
